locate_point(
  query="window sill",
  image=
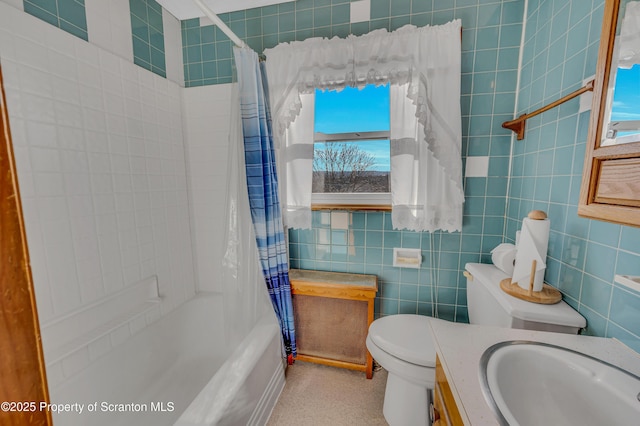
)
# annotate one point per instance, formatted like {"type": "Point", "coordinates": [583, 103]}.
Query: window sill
{"type": "Point", "coordinates": [352, 207]}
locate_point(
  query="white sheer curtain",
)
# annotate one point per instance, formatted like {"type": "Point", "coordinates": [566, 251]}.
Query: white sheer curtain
{"type": "Point", "coordinates": [295, 157]}
{"type": "Point", "coordinates": [424, 197]}
{"type": "Point", "coordinates": [423, 67]}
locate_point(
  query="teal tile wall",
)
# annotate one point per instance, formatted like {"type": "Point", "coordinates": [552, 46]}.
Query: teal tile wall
{"type": "Point", "coordinates": [490, 43]}
{"type": "Point", "coordinates": [148, 35]}
{"type": "Point", "coordinates": [207, 52]}
{"type": "Point", "coordinates": [561, 47]}
{"type": "Point", "coordinates": [367, 247]}
{"type": "Point", "coordinates": [68, 15]}
{"type": "Point", "coordinates": [495, 24]}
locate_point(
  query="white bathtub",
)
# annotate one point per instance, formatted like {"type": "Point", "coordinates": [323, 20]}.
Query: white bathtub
{"type": "Point", "coordinates": [180, 370]}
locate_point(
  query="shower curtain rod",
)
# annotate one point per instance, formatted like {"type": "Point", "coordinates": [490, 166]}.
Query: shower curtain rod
{"type": "Point", "coordinates": [218, 22]}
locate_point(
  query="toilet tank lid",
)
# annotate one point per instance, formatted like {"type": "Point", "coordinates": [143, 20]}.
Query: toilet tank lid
{"type": "Point", "coordinates": [558, 314]}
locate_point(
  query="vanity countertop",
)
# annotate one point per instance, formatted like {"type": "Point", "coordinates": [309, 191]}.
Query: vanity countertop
{"type": "Point", "coordinates": [460, 346]}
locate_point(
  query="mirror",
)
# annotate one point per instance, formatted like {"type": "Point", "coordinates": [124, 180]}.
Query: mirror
{"type": "Point", "coordinates": [611, 176]}
{"type": "Point", "coordinates": [622, 112]}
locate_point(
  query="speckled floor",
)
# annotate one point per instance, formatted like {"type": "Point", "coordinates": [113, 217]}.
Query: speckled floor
{"type": "Point", "coordinates": [317, 395]}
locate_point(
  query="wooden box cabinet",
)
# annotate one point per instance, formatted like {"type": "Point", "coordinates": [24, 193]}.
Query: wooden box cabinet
{"type": "Point", "coordinates": [332, 313]}
{"type": "Point", "coordinates": [445, 410]}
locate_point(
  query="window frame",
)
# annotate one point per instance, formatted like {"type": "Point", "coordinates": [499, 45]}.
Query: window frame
{"type": "Point", "coordinates": [378, 201]}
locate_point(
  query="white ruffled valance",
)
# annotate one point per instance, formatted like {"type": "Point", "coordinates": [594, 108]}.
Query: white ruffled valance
{"type": "Point", "coordinates": [424, 61]}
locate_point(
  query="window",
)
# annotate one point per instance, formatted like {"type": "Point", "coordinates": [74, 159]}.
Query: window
{"type": "Point", "coordinates": [425, 128]}
{"type": "Point", "coordinates": [624, 124]}
{"type": "Point", "coordinates": [351, 161]}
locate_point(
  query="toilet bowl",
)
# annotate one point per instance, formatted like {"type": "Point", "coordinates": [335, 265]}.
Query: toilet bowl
{"type": "Point", "coordinates": [402, 344]}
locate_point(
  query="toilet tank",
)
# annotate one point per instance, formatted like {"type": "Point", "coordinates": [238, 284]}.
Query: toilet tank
{"type": "Point", "coordinates": [489, 305]}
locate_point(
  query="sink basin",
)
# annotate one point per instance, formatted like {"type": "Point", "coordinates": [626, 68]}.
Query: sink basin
{"type": "Point", "coordinates": [530, 383]}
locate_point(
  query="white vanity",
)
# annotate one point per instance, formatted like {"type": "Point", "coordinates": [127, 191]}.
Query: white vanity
{"type": "Point", "coordinates": [460, 347]}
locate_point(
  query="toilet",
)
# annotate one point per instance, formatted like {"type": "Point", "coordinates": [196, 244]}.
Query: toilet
{"type": "Point", "coordinates": [402, 344]}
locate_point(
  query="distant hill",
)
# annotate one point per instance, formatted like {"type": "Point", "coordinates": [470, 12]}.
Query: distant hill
{"type": "Point", "coordinates": [365, 181]}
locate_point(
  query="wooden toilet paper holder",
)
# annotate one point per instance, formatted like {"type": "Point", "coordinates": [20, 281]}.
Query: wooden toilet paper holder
{"type": "Point", "coordinates": [547, 296]}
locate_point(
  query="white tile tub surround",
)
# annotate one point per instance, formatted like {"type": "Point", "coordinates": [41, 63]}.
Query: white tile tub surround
{"type": "Point", "coordinates": [88, 326]}
{"type": "Point", "coordinates": [206, 122]}
{"type": "Point", "coordinates": [101, 167]}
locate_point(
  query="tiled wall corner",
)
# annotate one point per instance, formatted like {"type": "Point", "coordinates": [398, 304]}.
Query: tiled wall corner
{"type": "Point", "coordinates": [207, 51]}
{"type": "Point", "coordinates": [560, 50]}
{"type": "Point", "coordinates": [148, 35]}
{"type": "Point", "coordinates": [206, 54]}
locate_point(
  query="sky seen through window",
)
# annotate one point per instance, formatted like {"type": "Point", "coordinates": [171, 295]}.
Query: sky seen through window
{"type": "Point", "coordinates": [356, 110]}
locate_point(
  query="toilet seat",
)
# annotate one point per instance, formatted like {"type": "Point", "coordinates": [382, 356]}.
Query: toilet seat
{"type": "Point", "coordinates": [407, 337]}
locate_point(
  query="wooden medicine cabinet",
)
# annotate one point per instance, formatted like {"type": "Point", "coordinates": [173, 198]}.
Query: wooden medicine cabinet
{"type": "Point", "coordinates": [611, 178]}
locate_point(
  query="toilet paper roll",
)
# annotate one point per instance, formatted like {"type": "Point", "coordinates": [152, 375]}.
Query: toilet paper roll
{"type": "Point", "coordinates": [532, 245]}
{"type": "Point", "coordinates": [504, 257]}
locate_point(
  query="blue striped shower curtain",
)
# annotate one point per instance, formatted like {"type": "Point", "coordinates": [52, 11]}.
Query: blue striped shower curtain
{"type": "Point", "coordinates": [262, 184]}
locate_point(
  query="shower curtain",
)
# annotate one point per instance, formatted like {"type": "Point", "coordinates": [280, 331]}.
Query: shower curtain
{"type": "Point", "coordinates": [262, 184]}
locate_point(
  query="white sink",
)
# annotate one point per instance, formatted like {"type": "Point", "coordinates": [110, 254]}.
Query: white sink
{"type": "Point", "coordinates": [530, 383]}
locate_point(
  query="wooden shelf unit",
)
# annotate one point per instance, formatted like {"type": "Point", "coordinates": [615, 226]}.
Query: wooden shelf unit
{"type": "Point", "coordinates": [332, 314]}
